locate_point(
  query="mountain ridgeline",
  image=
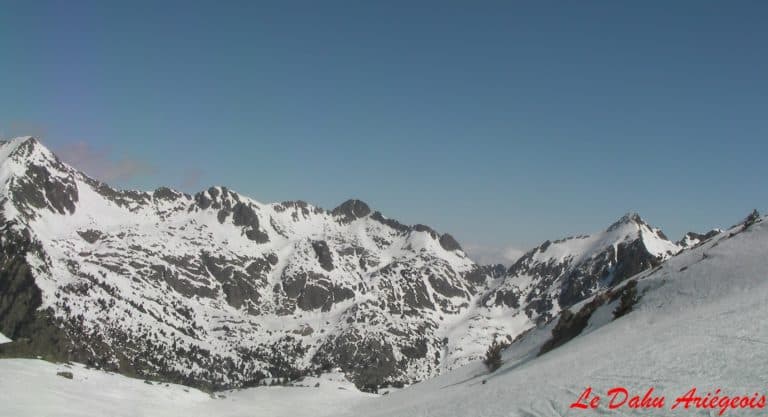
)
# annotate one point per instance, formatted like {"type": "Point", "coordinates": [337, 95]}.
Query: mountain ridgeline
{"type": "Point", "coordinates": [217, 290]}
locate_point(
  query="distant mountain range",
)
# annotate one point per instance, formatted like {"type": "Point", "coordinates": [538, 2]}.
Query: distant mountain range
{"type": "Point", "coordinates": [218, 290]}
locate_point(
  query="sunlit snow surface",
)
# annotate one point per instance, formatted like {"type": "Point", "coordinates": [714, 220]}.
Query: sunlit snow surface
{"type": "Point", "coordinates": [32, 388]}
{"type": "Point", "coordinates": [701, 322]}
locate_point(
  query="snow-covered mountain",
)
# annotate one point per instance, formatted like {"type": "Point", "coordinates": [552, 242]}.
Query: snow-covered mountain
{"type": "Point", "coordinates": [218, 290]}
{"type": "Point", "coordinates": [695, 321]}
{"type": "Point", "coordinates": [559, 273]}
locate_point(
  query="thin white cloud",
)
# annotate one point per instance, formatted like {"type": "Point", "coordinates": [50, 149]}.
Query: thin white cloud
{"type": "Point", "coordinates": [485, 254]}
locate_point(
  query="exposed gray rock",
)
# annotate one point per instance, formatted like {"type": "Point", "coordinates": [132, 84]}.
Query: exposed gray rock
{"type": "Point", "coordinates": [481, 274]}
{"type": "Point", "coordinates": [165, 193]}
{"type": "Point", "coordinates": [238, 287]}
{"type": "Point", "coordinates": [508, 298]}
{"type": "Point", "coordinates": [633, 258]}
{"type": "Point", "coordinates": [389, 222]}
{"type": "Point", "coordinates": [323, 254]}
{"type": "Point", "coordinates": [351, 210]}
{"type": "Point", "coordinates": [203, 201]}
{"type": "Point", "coordinates": [753, 218]}
{"type": "Point", "coordinates": [370, 361]}
{"type": "Point", "coordinates": [425, 229]}
{"type": "Point", "coordinates": [39, 189]}
{"type": "Point", "coordinates": [571, 324]}
{"type": "Point", "coordinates": [449, 243]}
{"type": "Point", "coordinates": [90, 235]}
{"type": "Point", "coordinates": [697, 238]}
{"type": "Point", "coordinates": [244, 215]}
{"type": "Point", "coordinates": [443, 286]}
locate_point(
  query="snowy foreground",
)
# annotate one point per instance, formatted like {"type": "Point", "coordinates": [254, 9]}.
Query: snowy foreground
{"type": "Point", "coordinates": [32, 388]}
{"type": "Point", "coordinates": [700, 323]}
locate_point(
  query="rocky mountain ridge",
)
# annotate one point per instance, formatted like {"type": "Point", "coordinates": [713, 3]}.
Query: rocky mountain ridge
{"type": "Point", "coordinates": [218, 290]}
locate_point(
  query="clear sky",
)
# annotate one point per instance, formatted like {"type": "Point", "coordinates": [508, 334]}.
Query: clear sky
{"type": "Point", "coordinates": [504, 123]}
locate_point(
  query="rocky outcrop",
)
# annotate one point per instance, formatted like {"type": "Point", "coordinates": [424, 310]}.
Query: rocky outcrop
{"type": "Point", "coordinates": [570, 325]}
{"type": "Point", "coordinates": [449, 243]}
{"type": "Point", "coordinates": [692, 239]}
{"type": "Point", "coordinates": [35, 333]}
{"type": "Point", "coordinates": [323, 254]}
{"type": "Point", "coordinates": [240, 283]}
{"type": "Point", "coordinates": [351, 210]}
{"type": "Point", "coordinates": [19, 296]}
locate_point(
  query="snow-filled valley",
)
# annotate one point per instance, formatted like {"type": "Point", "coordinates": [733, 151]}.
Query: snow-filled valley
{"type": "Point", "coordinates": [698, 322]}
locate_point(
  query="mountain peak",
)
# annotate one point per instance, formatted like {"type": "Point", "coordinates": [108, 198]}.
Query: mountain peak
{"type": "Point", "coordinates": [628, 218]}
{"type": "Point", "coordinates": [20, 146]}
{"type": "Point", "coordinates": [34, 178]}
{"type": "Point", "coordinates": [15, 142]}
{"type": "Point", "coordinates": [632, 217]}
{"type": "Point", "coordinates": [27, 151]}
{"type": "Point", "coordinates": [351, 210]}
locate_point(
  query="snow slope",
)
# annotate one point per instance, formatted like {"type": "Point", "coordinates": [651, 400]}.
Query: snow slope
{"type": "Point", "coordinates": [32, 388]}
{"type": "Point", "coordinates": [699, 323]}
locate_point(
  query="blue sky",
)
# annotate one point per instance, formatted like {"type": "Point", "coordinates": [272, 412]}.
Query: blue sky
{"type": "Point", "coordinates": [504, 123]}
